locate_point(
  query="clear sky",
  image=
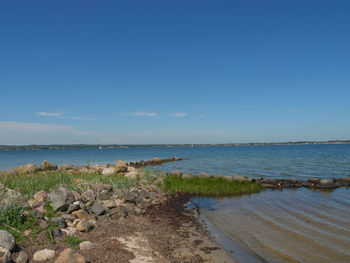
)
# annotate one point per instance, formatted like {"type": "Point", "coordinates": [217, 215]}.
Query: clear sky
{"type": "Point", "coordinates": [174, 71]}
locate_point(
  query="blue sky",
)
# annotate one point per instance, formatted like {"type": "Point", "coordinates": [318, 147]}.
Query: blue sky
{"type": "Point", "coordinates": [174, 71]}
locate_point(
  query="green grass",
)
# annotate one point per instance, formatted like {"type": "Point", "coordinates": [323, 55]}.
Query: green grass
{"type": "Point", "coordinates": [210, 187]}
{"type": "Point", "coordinates": [15, 219]}
{"type": "Point", "coordinates": [28, 185]}
{"type": "Point", "coordinates": [73, 241]}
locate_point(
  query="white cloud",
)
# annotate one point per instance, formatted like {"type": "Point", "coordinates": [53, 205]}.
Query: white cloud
{"type": "Point", "coordinates": [61, 115]}
{"type": "Point", "coordinates": [19, 133]}
{"type": "Point", "coordinates": [144, 114]}
{"type": "Point", "coordinates": [179, 115]}
{"type": "Point", "coordinates": [79, 118]}
{"type": "Point", "coordinates": [50, 114]}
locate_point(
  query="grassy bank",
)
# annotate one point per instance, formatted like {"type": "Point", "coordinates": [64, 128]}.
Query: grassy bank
{"type": "Point", "coordinates": [210, 187]}
{"type": "Point", "coordinates": [29, 184]}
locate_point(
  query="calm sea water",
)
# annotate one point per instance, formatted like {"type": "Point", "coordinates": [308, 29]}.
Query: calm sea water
{"type": "Point", "coordinates": [301, 161]}
{"type": "Point", "coordinates": [272, 226]}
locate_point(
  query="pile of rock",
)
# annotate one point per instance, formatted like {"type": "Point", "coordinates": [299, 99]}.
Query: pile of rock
{"type": "Point", "coordinates": [313, 183]}
{"type": "Point", "coordinates": [120, 167]}
{"type": "Point", "coordinates": [81, 211]}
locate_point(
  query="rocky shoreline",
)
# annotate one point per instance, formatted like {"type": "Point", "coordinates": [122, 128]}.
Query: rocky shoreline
{"type": "Point", "coordinates": [95, 222]}
{"type": "Point", "coordinates": [140, 224]}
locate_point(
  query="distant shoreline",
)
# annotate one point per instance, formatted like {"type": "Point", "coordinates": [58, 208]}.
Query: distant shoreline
{"type": "Point", "coordinates": [122, 146]}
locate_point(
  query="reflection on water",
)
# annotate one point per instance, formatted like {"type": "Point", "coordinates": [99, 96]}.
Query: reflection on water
{"type": "Point", "coordinates": [283, 226]}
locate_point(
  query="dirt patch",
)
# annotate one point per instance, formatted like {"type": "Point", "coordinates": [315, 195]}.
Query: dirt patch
{"type": "Point", "coordinates": [167, 233]}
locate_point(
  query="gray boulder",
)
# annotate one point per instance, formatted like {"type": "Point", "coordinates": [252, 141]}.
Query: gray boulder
{"type": "Point", "coordinates": [88, 195]}
{"type": "Point", "coordinates": [121, 166]}
{"type": "Point", "coordinates": [61, 198]}
{"type": "Point", "coordinates": [204, 175]}
{"type": "Point", "coordinates": [176, 173]}
{"type": "Point", "coordinates": [187, 175]}
{"type": "Point", "coordinates": [239, 178]}
{"type": "Point", "coordinates": [109, 171]}
{"type": "Point", "coordinates": [98, 208]}
{"type": "Point", "coordinates": [7, 240]}
{"type": "Point", "coordinates": [5, 255]}
{"type": "Point", "coordinates": [59, 221]}
{"type": "Point", "coordinates": [10, 197]}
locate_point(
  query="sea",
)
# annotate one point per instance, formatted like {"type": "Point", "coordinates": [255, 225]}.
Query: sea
{"type": "Point", "coordinates": [291, 225]}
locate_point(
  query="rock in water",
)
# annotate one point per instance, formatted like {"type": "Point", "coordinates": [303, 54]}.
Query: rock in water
{"type": "Point", "coordinates": [70, 256]}
{"type": "Point", "coordinates": [7, 240]}
{"type": "Point", "coordinates": [44, 255]}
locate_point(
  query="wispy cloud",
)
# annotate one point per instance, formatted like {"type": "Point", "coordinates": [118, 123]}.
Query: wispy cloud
{"type": "Point", "coordinates": [62, 115]}
{"type": "Point", "coordinates": [179, 115]}
{"type": "Point", "coordinates": [144, 114]}
{"type": "Point", "coordinates": [17, 133]}
{"type": "Point", "coordinates": [50, 114]}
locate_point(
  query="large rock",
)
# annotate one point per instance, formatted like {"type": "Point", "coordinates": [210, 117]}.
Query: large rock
{"type": "Point", "coordinates": [61, 198]}
{"type": "Point", "coordinates": [239, 178]}
{"type": "Point", "coordinates": [109, 171]}
{"type": "Point", "coordinates": [131, 175]}
{"type": "Point", "coordinates": [204, 175]}
{"type": "Point", "coordinates": [70, 256]}
{"type": "Point", "coordinates": [187, 175]}
{"type": "Point", "coordinates": [314, 180]}
{"type": "Point", "coordinates": [66, 167]}
{"type": "Point", "coordinates": [40, 196]}
{"type": "Point", "coordinates": [98, 208]}
{"type": "Point", "coordinates": [10, 197]}
{"type": "Point", "coordinates": [85, 225]}
{"type": "Point", "coordinates": [7, 240]}
{"type": "Point", "coordinates": [88, 195]}
{"type": "Point", "coordinates": [176, 173]}
{"type": "Point", "coordinates": [5, 255]}
{"type": "Point", "coordinates": [44, 255]}
{"type": "Point", "coordinates": [45, 165]}
{"type": "Point", "coordinates": [81, 214]}
{"type": "Point", "coordinates": [121, 166]}
{"type": "Point", "coordinates": [59, 221]}
{"type": "Point", "coordinates": [28, 168]}
{"type": "Point", "coordinates": [21, 257]}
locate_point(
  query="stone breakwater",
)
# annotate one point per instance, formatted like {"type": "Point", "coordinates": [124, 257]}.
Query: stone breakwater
{"type": "Point", "coordinates": [312, 183]}
{"type": "Point", "coordinates": [120, 167]}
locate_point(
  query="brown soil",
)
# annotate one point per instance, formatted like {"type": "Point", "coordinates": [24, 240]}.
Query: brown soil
{"type": "Point", "coordinates": [168, 233]}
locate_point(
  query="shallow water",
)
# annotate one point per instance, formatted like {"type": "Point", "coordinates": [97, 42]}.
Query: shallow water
{"type": "Point", "coordinates": [282, 226]}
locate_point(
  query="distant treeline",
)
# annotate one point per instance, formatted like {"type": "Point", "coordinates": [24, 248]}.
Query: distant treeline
{"type": "Point", "coordinates": [114, 146]}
